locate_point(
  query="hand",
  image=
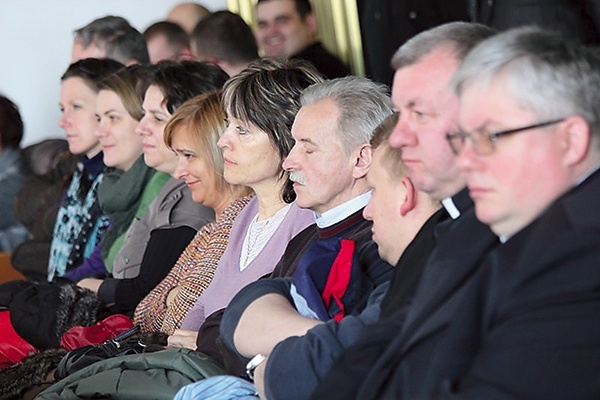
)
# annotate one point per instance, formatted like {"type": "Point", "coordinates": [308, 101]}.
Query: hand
{"type": "Point", "coordinates": [183, 338]}
{"type": "Point", "coordinates": [91, 284]}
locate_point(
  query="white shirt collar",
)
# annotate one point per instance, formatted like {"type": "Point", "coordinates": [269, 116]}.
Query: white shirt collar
{"type": "Point", "coordinates": [343, 211]}
{"type": "Point", "coordinates": [451, 208]}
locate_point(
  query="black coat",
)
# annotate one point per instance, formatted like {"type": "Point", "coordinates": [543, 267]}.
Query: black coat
{"type": "Point", "coordinates": [524, 324]}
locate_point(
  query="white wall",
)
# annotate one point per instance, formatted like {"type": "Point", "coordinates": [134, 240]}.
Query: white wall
{"type": "Point", "coordinates": [35, 49]}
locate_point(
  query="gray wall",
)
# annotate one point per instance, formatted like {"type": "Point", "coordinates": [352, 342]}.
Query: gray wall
{"type": "Point", "coordinates": [35, 49]}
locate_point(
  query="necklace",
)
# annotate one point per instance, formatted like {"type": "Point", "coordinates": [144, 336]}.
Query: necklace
{"type": "Point", "coordinates": [254, 234]}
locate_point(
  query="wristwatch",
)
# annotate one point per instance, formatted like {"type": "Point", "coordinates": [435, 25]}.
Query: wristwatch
{"type": "Point", "coordinates": [252, 364]}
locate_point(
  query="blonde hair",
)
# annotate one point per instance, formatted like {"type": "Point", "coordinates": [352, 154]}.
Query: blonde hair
{"type": "Point", "coordinates": [203, 119]}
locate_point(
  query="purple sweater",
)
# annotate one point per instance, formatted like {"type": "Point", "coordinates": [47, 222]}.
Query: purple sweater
{"type": "Point", "coordinates": [228, 279]}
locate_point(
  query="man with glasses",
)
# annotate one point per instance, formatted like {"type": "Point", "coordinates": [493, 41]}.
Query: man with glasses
{"type": "Point", "coordinates": [526, 322]}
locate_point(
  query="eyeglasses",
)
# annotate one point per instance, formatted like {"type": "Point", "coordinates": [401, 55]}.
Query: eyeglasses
{"type": "Point", "coordinates": [483, 143]}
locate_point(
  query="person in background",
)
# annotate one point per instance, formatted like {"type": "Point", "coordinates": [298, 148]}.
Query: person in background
{"type": "Point", "coordinates": [187, 15]}
{"type": "Point", "coordinates": [288, 29]}
{"type": "Point", "coordinates": [110, 37]}
{"type": "Point", "coordinates": [11, 174]}
{"type": "Point", "coordinates": [223, 38]}
{"type": "Point", "coordinates": [192, 133]}
{"type": "Point", "coordinates": [167, 41]}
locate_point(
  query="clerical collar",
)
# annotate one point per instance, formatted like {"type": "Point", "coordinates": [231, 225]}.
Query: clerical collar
{"type": "Point", "coordinates": [458, 203]}
{"type": "Point", "coordinates": [343, 211]}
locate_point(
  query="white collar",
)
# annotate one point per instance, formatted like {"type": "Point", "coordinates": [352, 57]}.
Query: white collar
{"type": "Point", "coordinates": [343, 211]}
{"type": "Point", "coordinates": [451, 208]}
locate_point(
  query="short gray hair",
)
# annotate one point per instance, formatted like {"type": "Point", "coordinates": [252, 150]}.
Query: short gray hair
{"type": "Point", "coordinates": [461, 37]}
{"type": "Point", "coordinates": [363, 105]}
{"type": "Point", "coordinates": [545, 73]}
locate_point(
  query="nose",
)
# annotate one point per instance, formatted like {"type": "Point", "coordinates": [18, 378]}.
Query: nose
{"type": "Point", "coordinates": [181, 168]}
{"type": "Point", "coordinates": [467, 160]}
{"type": "Point", "coordinates": [142, 128]}
{"type": "Point", "coordinates": [403, 134]}
{"type": "Point", "coordinates": [225, 139]}
{"type": "Point", "coordinates": [101, 130]}
{"type": "Point", "coordinates": [63, 120]}
{"type": "Point", "coordinates": [291, 161]}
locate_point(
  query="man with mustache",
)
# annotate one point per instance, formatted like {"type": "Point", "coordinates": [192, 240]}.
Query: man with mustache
{"type": "Point", "coordinates": [328, 164]}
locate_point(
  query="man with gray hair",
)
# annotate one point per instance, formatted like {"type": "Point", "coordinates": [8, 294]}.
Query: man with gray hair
{"type": "Point", "coordinates": [110, 37]}
{"type": "Point", "coordinates": [328, 165]}
{"type": "Point", "coordinates": [523, 323]}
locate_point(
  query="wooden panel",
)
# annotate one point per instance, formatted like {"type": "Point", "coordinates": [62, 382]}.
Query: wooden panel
{"type": "Point", "coordinates": [7, 272]}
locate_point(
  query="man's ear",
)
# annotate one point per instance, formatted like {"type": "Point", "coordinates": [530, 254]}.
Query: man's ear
{"type": "Point", "coordinates": [576, 140]}
{"type": "Point", "coordinates": [311, 22]}
{"type": "Point", "coordinates": [410, 196]}
{"type": "Point", "coordinates": [364, 157]}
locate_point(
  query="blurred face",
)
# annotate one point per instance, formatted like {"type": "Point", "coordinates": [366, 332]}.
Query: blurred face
{"type": "Point", "coordinates": [80, 52]}
{"type": "Point", "coordinates": [525, 172]}
{"type": "Point", "coordinates": [281, 31]}
{"type": "Point", "coordinates": [428, 110]}
{"type": "Point", "coordinates": [195, 170]}
{"type": "Point", "coordinates": [251, 159]}
{"type": "Point", "coordinates": [78, 119]}
{"type": "Point", "coordinates": [322, 172]}
{"type": "Point", "coordinates": [384, 209]}
{"type": "Point", "coordinates": [151, 128]}
{"type": "Point", "coordinates": [121, 144]}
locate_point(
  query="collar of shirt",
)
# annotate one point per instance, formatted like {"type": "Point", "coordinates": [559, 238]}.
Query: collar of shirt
{"type": "Point", "coordinates": [342, 211]}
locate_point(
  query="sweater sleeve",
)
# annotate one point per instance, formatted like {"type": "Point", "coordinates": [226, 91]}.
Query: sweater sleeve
{"type": "Point", "coordinates": [151, 311]}
{"type": "Point", "coordinates": [163, 249]}
{"type": "Point", "coordinates": [298, 363]}
{"type": "Point", "coordinates": [92, 267]}
{"type": "Point", "coordinates": [244, 298]}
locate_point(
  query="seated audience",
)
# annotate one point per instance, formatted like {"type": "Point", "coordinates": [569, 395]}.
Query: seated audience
{"type": "Point", "coordinates": [223, 38]}
{"type": "Point", "coordinates": [159, 233]}
{"type": "Point", "coordinates": [403, 226]}
{"type": "Point", "coordinates": [521, 324]}
{"type": "Point", "coordinates": [11, 174]}
{"type": "Point", "coordinates": [110, 37]}
{"type": "Point", "coordinates": [288, 29]}
{"type": "Point", "coordinates": [167, 41]}
{"type": "Point", "coordinates": [254, 146]}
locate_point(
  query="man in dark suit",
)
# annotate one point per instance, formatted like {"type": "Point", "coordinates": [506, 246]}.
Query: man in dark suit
{"type": "Point", "coordinates": [288, 29]}
{"type": "Point", "coordinates": [526, 322]}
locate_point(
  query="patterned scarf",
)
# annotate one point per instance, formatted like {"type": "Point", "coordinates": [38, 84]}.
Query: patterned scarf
{"type": "Point", "coordinates": [120, 194]}
{"type": "Point", "coordinates": [79, 225]}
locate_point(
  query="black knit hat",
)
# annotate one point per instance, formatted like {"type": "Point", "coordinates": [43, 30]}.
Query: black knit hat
{"type": "Point", "coordinates": [42, 313]}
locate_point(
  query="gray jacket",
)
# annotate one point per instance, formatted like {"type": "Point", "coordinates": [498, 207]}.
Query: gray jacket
{"type": "Point", "coordinates": [172, 208]}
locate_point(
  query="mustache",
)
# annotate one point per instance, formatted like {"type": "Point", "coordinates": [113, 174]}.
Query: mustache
{"type": "Point", "coordinates": [297, 177]}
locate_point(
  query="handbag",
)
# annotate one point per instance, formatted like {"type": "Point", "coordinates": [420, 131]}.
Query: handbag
{"type": "Point", "coordinates": [79, 358]}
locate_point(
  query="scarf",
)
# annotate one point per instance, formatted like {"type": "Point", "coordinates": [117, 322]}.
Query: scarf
{"type": "Point", "coordinates": [120, 194]}
{"type": "Point", "coordinates": [80, 223]}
